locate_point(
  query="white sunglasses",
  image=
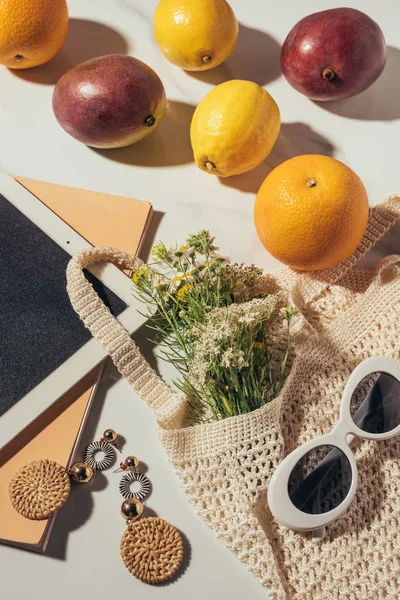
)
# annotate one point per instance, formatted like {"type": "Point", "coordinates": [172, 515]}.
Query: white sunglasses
{"type": "Point", "coordinates": [317, 482]}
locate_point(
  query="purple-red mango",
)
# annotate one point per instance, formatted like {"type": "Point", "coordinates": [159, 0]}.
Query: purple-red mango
{"type": "Point", "coordinates": [109, 101]}
{"type": "Point", "coordinates": [333, 54]}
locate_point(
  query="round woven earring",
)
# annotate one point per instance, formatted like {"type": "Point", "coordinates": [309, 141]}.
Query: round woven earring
{"type": "Point", "coordinates": [151, 549]}
{"type": "Point", "coordinates": [40, 488]}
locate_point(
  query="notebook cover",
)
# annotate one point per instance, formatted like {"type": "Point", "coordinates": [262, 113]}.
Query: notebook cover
{"type": "Point", "coordinates": [103, 220]}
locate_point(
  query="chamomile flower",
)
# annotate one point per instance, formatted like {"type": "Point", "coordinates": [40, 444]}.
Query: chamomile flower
{"type": "Point", "coordinates": [203, 273]}
{"type": "Point", "coordinates": [180, 278]}
{"type": "Point", "coordinates": [184, 252]}
{"type": "Point", "coordinates": [223, 261]}
{"type": "Point", "coordinates": [160, 284]}
{"type": "Point", "coordinates": [198, 269]}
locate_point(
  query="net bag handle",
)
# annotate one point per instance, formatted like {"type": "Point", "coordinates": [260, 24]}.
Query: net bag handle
{"type": "Point", "coordinates": [305, 287]}
{"type": "Point", "coordinates": [113, 336]}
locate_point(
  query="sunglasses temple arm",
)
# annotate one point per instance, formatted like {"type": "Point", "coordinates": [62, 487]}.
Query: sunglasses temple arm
{"type": "Point", "coordinates": [318, 534]}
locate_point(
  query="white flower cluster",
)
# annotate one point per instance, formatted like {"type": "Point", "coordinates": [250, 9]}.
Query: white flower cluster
{"type": "Point", "coordinates": [233, 358]}
{"type": "Point", "coordinates": [218, 339]}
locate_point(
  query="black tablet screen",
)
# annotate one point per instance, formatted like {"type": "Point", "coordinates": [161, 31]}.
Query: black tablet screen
{"type": "Point", "coordinates": [39, 329]}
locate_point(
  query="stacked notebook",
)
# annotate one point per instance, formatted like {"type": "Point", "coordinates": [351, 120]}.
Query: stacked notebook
{"type": "Point", "coordinates": [103, 220]}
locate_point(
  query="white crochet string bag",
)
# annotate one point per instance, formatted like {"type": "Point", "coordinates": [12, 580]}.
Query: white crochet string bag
{"type": "Point", "coordinates": [346, 315]}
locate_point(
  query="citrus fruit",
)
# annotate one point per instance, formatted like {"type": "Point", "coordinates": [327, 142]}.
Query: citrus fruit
{"type": "Point", "coordinates": [32, 31]}
{"type": "Point", "coordinates": [311, 212]}
{"type": "Point", "coordinates": [234, 128]}
{"type": "Point", "coordinates": [195, 35]}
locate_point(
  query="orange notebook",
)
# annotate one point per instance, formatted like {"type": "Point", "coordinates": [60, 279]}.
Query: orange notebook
{"type": "Point", "coordinates": [103, 220]}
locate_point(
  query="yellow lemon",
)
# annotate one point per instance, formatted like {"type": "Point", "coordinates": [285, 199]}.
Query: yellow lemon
{"type": "Point", "coordinates": [234, 128]}
{"type": "Point", "coordinates": [195, 35]}
{"type": "Point", "coordinates": [31, 32]}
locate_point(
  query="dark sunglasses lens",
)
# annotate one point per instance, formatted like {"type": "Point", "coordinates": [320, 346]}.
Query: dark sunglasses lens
{"type": "Point", "coordinates": [375, 403]}
{"type": "Point", "coordinates": [320, 481]}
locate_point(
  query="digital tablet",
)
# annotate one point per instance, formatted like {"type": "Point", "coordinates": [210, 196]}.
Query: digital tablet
{"type": "Point", "coordinates": [44, 347]}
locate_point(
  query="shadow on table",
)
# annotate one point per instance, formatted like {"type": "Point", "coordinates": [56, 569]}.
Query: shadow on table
{"type": "Point", "coordinates": [143, 334]}
{"type": "Point", "coordinates": [85, 40]}
{"type": "Point", "coordinates": [294, 139]}
{"type": "Point", "coordinates": [147, 347]}
{"type": "Point", "coordinates": [151, 235]}
{"type": "Point", "coordinates": [79, 505]}
{"type": "Point", "coordinates": [256, 57]}
{"type": "Point", "coordinates": [380, 102]}
{"type": "Point", "coordinates": [167, 146]}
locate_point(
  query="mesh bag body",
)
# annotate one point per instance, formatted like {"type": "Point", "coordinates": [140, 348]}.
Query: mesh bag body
{"type": "Point", "coordinates": [224, 467]}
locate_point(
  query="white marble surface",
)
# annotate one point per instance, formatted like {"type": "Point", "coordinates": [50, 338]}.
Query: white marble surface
{"type": "Point", "coordinates": [83, 557]}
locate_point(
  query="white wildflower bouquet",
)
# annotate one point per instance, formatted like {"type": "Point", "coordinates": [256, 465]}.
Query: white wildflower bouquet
{"type": "Point", "coordinates": [211, 322]}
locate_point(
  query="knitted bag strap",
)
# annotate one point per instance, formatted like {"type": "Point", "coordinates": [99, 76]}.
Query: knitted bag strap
{"type": "Point", "coordinates": [113, 336]}
{"type": "Point", "coordinates": [305, 287]}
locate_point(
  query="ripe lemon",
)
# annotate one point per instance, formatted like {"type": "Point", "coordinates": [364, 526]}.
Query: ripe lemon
{"type": "Point", "coordinates": [234, 128]}
{"type": "Point", "coordinates": [195, 35]}
{"type": "Point", "coordinates": [311, 212]}
{"type": "Point", "coordinates": [31, 32]}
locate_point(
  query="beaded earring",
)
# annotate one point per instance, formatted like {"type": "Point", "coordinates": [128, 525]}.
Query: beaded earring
{"type": "Point", "coordinates": [131, 464]}
{"type": "Point", "coordinates": [40, 488]}
{"type": "Point", "coordinates": [151, 549]}
{"type": "Point", "coordinates": [106, 445]}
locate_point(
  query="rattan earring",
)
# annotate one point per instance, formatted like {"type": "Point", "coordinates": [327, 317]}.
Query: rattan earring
{"type": "Point", "coordinates": [151, 549]}
{"type": "Point", "coordinates": [40, 488]}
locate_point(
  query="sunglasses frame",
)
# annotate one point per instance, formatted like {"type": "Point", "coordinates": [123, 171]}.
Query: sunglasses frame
{"type": "Point", "coordinates": [340, 437]}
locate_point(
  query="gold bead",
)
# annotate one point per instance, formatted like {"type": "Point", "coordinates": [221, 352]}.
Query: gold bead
{"type": "Point", "coordinates": [110, 435]}
{"type": "Point", "coordinates": [81, 472]}
{"type": "Point", "coordinates": [131, 509]}
{"type": "Point", "coordinates": [131, 463]}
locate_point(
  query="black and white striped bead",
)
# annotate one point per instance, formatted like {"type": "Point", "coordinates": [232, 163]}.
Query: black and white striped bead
{"type": "Point", "coordinates": [105, 462]}
{"type": "Point", "coordinates": [128, 479]}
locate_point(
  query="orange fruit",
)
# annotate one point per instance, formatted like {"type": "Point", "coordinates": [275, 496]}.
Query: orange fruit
{"type": "Point", "coordinates": [32, 31]}
{"type": "Point", "coordinates": [311, 212]}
